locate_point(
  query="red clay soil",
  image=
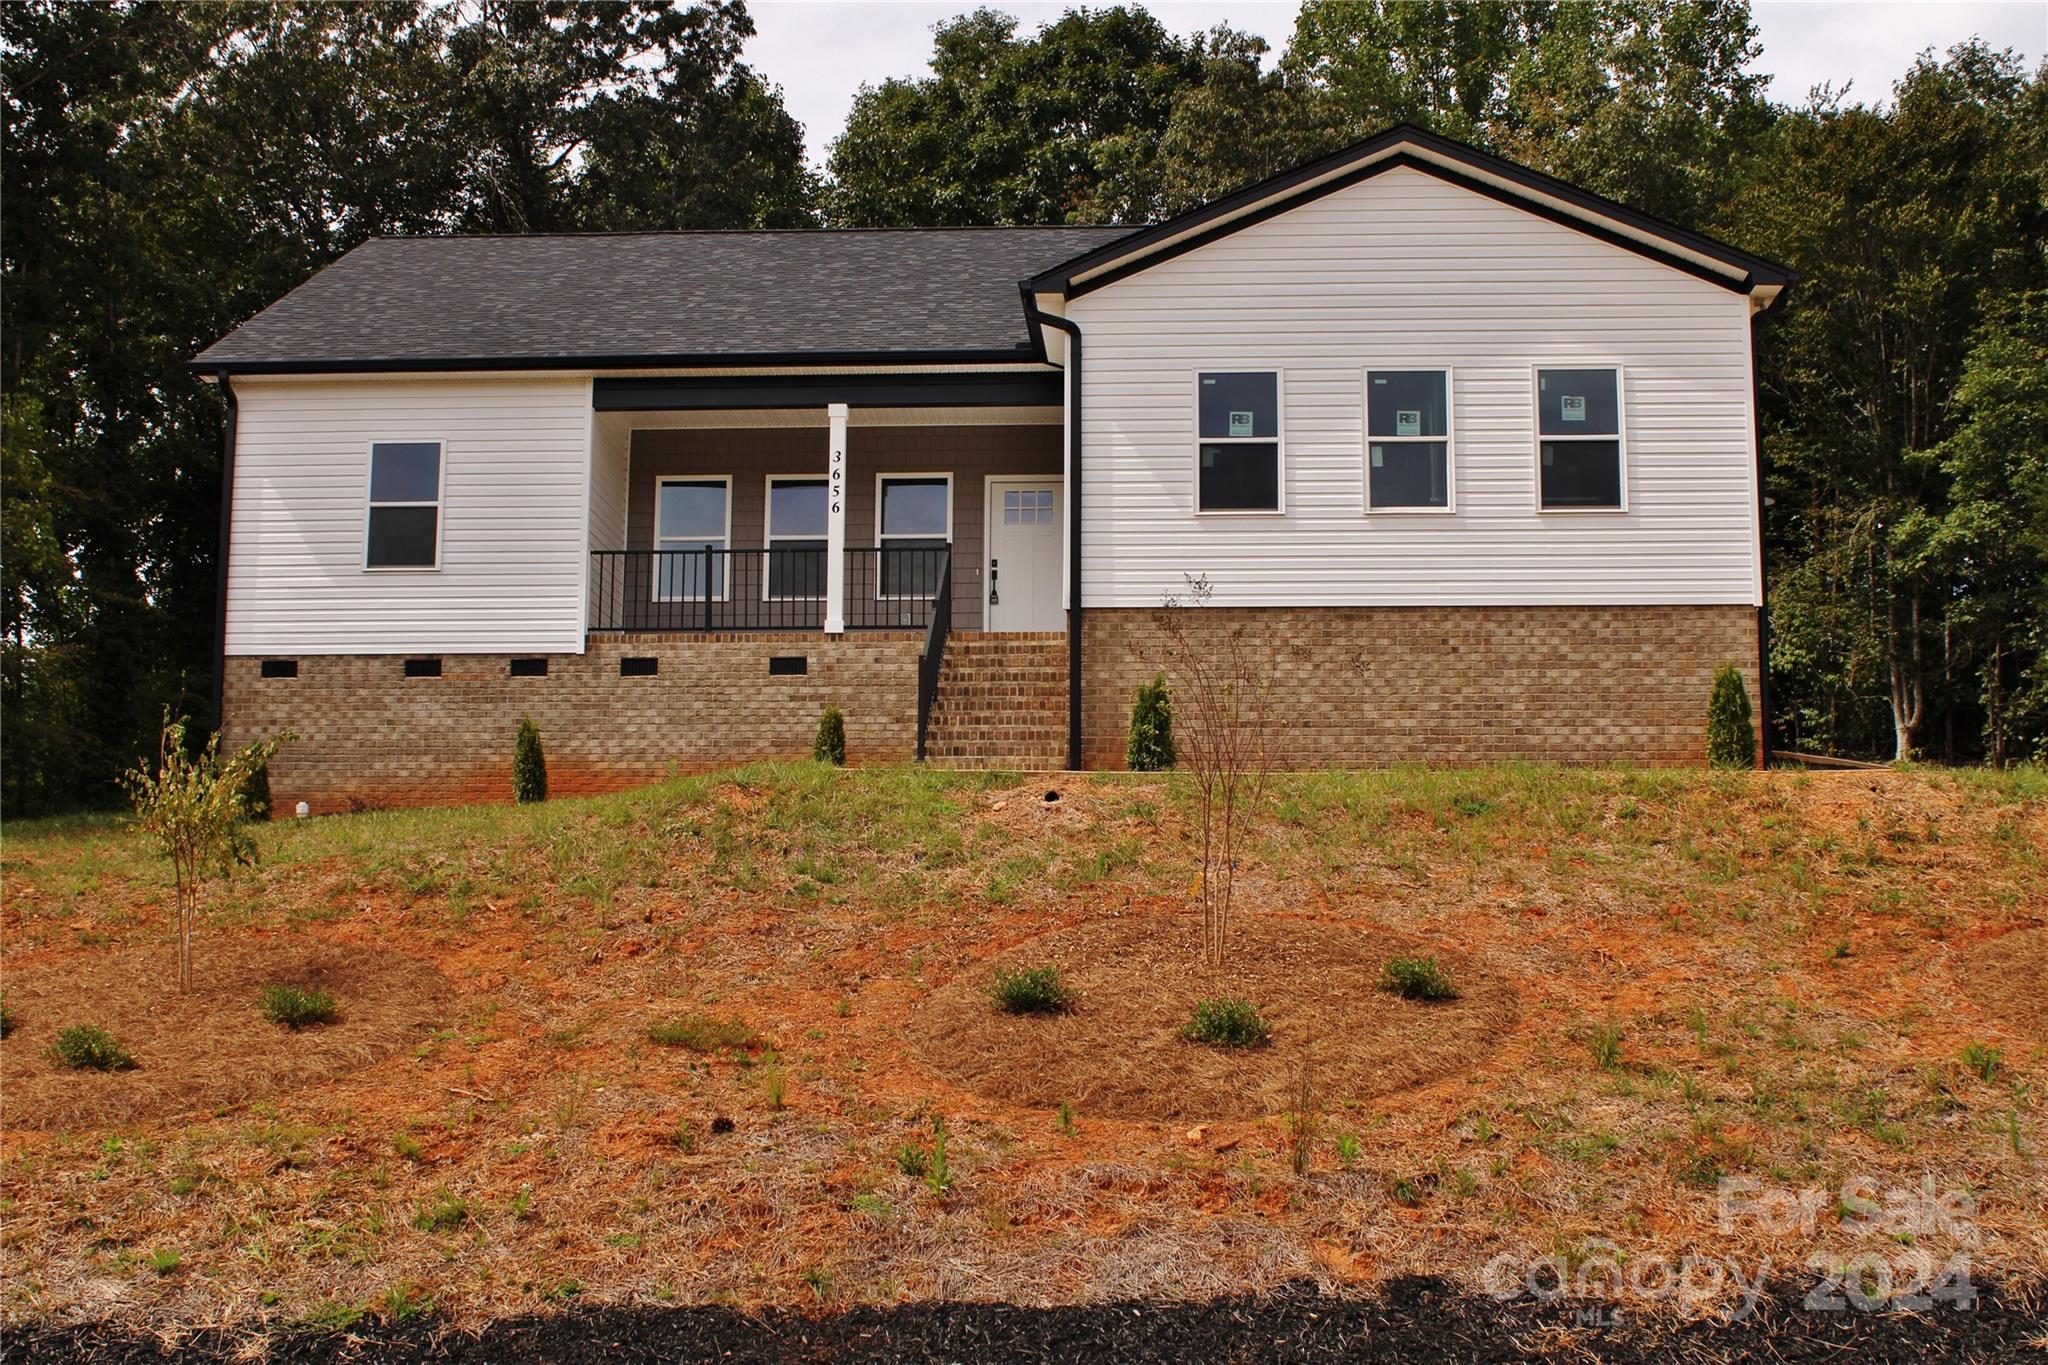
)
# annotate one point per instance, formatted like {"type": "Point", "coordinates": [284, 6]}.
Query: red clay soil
{"type": "Point", "coordinates": [211, 1046]}
{"type": "Point", "coordinates": [1119, 1052]}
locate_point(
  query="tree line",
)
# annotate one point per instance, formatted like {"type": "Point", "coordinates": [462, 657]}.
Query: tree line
{"type": "Point", "coordinates": [169, 170]}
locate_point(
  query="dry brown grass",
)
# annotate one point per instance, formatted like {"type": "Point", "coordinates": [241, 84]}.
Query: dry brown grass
{"type": "Point", "coordinates": [2006, 977]}
{"type": "Point", "coordinates": [198, 1050]}
{"type": "Point", "coordinates": [1785, 960]}
{"type": "Point", "coordinates": [1119, 1052]}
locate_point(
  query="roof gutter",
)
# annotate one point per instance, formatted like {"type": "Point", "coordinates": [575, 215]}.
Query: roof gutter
{"type": "Point", "coordinates": [313, 365]}
{"type": "Point", "coordinates": [1039, 317]}
{"type": "Point", "coordinates": [227, 506]}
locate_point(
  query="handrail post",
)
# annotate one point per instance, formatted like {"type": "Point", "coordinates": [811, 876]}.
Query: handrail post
{"type": "Point", "coordinates": [933, 657]}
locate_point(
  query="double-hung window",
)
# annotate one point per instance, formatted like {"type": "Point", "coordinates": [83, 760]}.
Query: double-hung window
{"type": "Point", "coordinates": [913, 525]}
{"type": "Point", "coordinates": [796, 537]}
{"type": "Point", "coordinates": [404, 530]}
{"type": "Point", "coordinates": [1237, 441]}
{"type": "Point", "coordinates": [691, 517]}
{"type": "Point", "coordinates": [1408, 440]}
{"type": "Point", "coordinates": [1580, 455]}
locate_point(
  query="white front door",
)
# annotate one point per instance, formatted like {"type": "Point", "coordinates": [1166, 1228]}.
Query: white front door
{"type": "Point", "coordinates": [1023, 579]}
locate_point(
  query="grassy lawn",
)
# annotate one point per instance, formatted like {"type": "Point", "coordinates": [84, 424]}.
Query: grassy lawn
{"type": "Point", "coordinates": [687, 1044]}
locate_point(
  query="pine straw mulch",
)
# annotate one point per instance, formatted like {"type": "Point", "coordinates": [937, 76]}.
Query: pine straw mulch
{"type": "Point", "coordinates": [1119, 1051]}
{"type": "Point", "coordinates": [2007, 978]}
{"type": "Point", "coordinates": [200, 1050]}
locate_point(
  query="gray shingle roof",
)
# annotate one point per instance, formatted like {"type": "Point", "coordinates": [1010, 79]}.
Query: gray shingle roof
{"type": "Point", "coordinates": [608, 298]}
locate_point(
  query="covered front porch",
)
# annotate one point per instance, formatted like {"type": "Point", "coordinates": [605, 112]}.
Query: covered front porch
{"type": "Point", "coordinates": [878, 509]}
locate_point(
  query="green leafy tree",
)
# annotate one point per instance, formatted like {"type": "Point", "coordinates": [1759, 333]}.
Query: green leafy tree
{"type": "Point", "coordinates": [192, 807]}
{"type": "Point", "coordinates": [529, 764]}
{"type": "Point", "coordinates": [1731, 738]}
{"type": "Point", "coordinates": [1648, 101]}
{"type": "Point", "coordinates": [1062, 126]}
{"type": "Point", "coordinates": [1994, 535]}
{"type": "Point", "coordinates": [1910, 225]}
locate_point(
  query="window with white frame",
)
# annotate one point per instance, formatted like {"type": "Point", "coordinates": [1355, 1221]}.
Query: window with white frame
{"type": "Point", "coordinates": [404, 530]}
{"type": "Point", "coordinates": [1408, 440]}
{"type": "Point", "coordinates": [1237, 441]}
{"type": "Point", "coordinates": [691, 516]}
{"type": "Point", "coordinates": [913, 526]}
{"type": "Point", "coordinates": [796, 537]}
{"type": "Point", "coordinates": [1579, 447]}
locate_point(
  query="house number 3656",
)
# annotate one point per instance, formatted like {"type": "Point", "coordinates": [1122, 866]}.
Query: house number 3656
{"type": "Point", "coordinates": [838, 477]}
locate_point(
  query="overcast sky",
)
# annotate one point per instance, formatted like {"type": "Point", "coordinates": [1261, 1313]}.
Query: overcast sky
{"type": "Point", "coordinates": [821, 51]}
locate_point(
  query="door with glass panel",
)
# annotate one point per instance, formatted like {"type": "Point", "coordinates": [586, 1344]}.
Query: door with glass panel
{"type": "Point", "coordinates": [1024, 555]}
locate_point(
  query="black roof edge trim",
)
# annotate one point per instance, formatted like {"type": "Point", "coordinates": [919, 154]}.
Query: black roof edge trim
{"type": "Point", "coordinates": [691, 393]}
{"type": "Point", "coordinates": [418, 365]}
{"type": "Point", "coordinates": [1757, 270]}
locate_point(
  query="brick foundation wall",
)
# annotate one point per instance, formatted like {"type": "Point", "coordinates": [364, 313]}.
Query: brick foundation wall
{"type": "Point", "coordinates": [1449, 685]}
{"type": "Point", "coordinates": [370, 737]}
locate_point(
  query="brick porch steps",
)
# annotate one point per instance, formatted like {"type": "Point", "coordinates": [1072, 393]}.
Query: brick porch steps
{"type": "Point", "coordinates": [1002, 703]}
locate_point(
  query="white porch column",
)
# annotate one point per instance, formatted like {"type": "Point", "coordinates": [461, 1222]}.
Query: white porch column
{"type": "Point", "coordinates": [835, 521]}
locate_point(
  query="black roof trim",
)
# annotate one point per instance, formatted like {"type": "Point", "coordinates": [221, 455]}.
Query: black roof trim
{"type": "Point", "coordinates": [715, 360]}
{"type": "Point", "coordinates": [1755, 270]}
{"type": "Point", "coordinates": [696, 393]}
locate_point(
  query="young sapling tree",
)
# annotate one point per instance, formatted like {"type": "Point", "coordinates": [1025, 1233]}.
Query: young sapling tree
{"type": "Point", "coordinates": [196, 811]}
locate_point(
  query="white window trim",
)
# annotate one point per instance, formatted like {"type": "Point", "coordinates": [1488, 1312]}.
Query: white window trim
{"type": "Point", "coordinates": [882, 539]}
{"type": "Point", "coordinates": [1278, 440]}
{"type": "Point", "coordinates": [768, 536]}
{"type": "Point", "coordinates": [725, 562]}
{"type": "Point", "coordinates": [439, 504]}
{"type": "Point", "coordinates": [1619, 436]}
{"type": "Point", "coordinates": [1449, 439]}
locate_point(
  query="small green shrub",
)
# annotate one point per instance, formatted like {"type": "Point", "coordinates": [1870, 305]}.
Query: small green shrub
{"type": "Point", "coordinates": [1151, 746]}
{"type": "Point", "coordinates": [443, 1213]}
{"type": "Point", "coordinates": [295, 1008]}
{"type": "Point", "coordinates": [529, 764]}
{"type": "Point", "coordinates": [1031, 990]}
{"type": "Point", "coordinates": [1417, 978]}
{"type": "Point", "coordinates": [1604, 1042]}
{"type": "Point", "coordinates": [911, 1160]}
{"type": "Point", "coordinates": [701, 1033]}
{"type": "Point", "coordinates": [86, 1047]}
{"type": "Point", "coordinates": [1731, 739]}
{"type": "Point", "coordinates": [256, 792]}
{"type": "Point", "coordinates": [830, 745]}
{"type": "Point", "coordinates": [164, 1260]}
{"type": "Point", "coordinates": [1224, 1022]}
{"type": "Point", "coordinates": [1983, 1059]}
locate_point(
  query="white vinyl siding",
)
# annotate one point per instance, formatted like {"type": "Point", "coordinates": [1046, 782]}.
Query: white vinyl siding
{"type": "Point", "coordinates": [1406, 272]}
{"type": "Point", "coordinates": [516, 478]}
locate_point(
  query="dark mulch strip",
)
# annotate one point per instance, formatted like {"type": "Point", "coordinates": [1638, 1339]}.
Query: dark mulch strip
{"type": "Point", "coordinates": [1412, 1319]}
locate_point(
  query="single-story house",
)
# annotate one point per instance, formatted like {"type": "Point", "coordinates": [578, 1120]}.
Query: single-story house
{"type": "Point", "coordinates": [1469, 452]}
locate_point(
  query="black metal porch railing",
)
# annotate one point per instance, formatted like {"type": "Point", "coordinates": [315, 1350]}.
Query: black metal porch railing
{"type": "Point", "coordinates": [892, 587]}
{"type": "Point", "coordinates": [934, 656]}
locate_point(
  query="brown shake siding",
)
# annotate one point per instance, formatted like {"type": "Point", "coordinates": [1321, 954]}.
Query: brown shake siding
{"type": "Point", "coordinates": [749, 455]}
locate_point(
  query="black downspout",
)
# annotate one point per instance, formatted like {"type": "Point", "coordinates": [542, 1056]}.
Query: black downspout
{"type": "Point", "coordinates": [1073, 331]}
{"type": "Point", "coordinates": [220, 600]}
